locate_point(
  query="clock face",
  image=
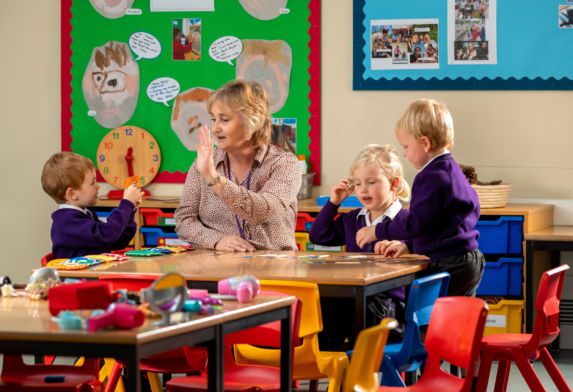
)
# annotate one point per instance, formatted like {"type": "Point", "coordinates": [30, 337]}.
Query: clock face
{"type": "Point", "coordinates": [128, 151]}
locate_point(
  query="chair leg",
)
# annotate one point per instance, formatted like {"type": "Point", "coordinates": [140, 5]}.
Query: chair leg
{"type": "Point", "coordinates": [503, 367]}
{"type": "Point", "coordinates": [338, 373]}
{"type": "Point", "coordinates": [114, 382]}
{"type": "Point", "coordinates": [313, 386]}
{"type": "Point", "coordinates": [528, 373]}
{"type": "Point", "coordinates": [484, 371]}
{"type": "Point", "coordinates": [553, 371]}
{"type": "Point", "coordinates": [390, 375]}
{"type": "Point", "coordinates": [154, 382]}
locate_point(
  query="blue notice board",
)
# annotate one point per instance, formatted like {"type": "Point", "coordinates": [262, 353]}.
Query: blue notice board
{"type": "Point", "coordinates": [529, 45]}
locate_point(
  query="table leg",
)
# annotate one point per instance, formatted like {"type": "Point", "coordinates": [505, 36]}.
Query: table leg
{"type": "Point", "coordinates": [529, 300]}
{"type": "Point", "coordinates": [215, 363]}
{"type": "Point", "coordinates": [360, 313]}
{"type": "Point", "coordinates": [286, 354]}
{"type": "Point", "coordinates": [133, 374]}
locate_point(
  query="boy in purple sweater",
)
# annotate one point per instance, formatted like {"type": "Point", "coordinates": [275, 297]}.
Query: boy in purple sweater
{"type": "Point", "coordinates": [444, 207]}
{"type": "Point", "coordinates": [379, 185]}
{"type": "Point", "coordinates": [70, 179]}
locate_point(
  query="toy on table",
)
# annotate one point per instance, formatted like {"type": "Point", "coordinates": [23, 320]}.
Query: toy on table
{"type": "Point", "coordinates": [84, 295]}
{"type": "Point", "coordinates": [166, 295]}
{"type": "Point", "coordinates": [41, 281]}
{"type": "Point", "coordinates": [6, 288]}
{"type": "Point", "coordinates": [245, 287]}
{"type": "Point", "coordinates": [142, 253]}
{"type": "Point", "coordinates": [118, 315]}
{"type": "Point", "coordinates": [208, 303]}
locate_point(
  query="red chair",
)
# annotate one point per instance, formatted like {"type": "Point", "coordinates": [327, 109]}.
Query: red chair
{"type": "Point", "coordinates": [47, 258]}
{"type": "Point", "coordinates": [522, 348]}
{"type": "Point", "coordinates": [183, 360]}
{"type": "Point", "coordinates": [19, 376]}
{"type": "Point", "coordinates": [454, 335]}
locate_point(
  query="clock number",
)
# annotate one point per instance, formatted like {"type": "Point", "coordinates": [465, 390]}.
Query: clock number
{"type": "Point", "coordinates": [102, 158]}
{"type": "Point", "coordinates": [128, 131]}
{"type": "Point", "coordinates": [142, 135]}
{"type": "Point", "coordinates": [151, 145]}
{"type": "Point", "coordinates": [108, 145]}
{"type": "Point", "coordinates": [142, 180]}
{"type": "Point", "coordinates": [155, 157]}
{"type": "Point", "coordinates": [152, 170]}
{"type": "Point", "coordinates": [116, 135]}
{"type": "Point", "coordinates": [115, 180]}
{"type": "Point", "coordinates": [106, 170]}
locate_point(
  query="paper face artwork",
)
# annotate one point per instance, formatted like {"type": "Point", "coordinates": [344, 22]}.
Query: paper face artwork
{"type": "Point", "coordinates": [111, 84]}
{"type": "Point", "coordinates": [111, 9]}
{"type": "Point", "coordinates": [190, 114]}
{"type": "Point", "coordinates": [269, 63]}
{"type": "Point", "coordinates": [263, 9]}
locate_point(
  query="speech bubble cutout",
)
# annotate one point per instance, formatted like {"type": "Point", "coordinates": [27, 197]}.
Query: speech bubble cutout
{"type": "Point", "coordinates": [226, 48]}
{"type": "Point", "coordinates": [144, 45]}
{"type": "Point", "coordinates": [163, 90]}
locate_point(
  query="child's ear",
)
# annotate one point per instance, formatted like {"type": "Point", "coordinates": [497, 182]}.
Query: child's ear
{"type": "Point", "coordinates": [394, 183]}
{"type": "Point", "coordinates": [427, 143]}
{"type": "Point", "coordinates": [71, 194]}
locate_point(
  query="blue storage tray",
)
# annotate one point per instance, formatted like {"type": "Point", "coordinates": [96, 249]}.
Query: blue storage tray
{"type": "Point", "coordinates": [350, 201]}
{"type": "Point", "coordinates": [102, 215]}
{"type": "Point", "coordinates": [501, 236]}
{"type": "Point", "coordinates": [153, 234]}
{"type": "Point", "coordinates": [502, 277]}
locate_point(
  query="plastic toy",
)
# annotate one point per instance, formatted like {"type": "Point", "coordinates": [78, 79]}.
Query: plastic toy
{"type": "Point", "coordinates": [245, 287]}
{"type": "Point", "coordinates": [84, 295]}
{"type": "Point", "coordinates": [118, 315]}
{"type": "Point", "coordinates": [41, 281]}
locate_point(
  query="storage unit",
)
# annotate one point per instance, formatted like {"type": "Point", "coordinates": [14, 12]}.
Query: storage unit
{"type": "Point", "coordinates": [504, 317]}
{"type": "Point", "coordinates": [503, 235]}
{"type": "Point", "coordinates": [157, 217]}
{"type": "Point", "coordinates": [153, 234]}
{"type": "Point", "coordinates": [502, 277]}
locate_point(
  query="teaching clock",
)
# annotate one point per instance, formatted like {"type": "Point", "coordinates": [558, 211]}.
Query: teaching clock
{"type": "Point", "coordinates": [128, 151]}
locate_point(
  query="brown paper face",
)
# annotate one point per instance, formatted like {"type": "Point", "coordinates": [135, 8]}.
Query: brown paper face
{"type": "Point", "coordinates": [111, 9]}
{"type": "Point", "coordinates": [263, 9]}
{"type": "Point", "coordinates": [111, 84]}
{"type": "Point", "coordinates": [190, 114]}
{"type": "Point", "coordinates": [269, 63]}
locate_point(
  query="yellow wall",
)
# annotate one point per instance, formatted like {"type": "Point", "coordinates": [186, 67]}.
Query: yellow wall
{"type": "Point", "coordinates": [522, 137]}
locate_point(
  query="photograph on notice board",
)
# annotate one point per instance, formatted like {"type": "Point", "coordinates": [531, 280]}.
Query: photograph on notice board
{"type": "Point", "coordinates": [187, 39]}
{"type": "Point", "coordinates": [566, 16]}
{"type": "Point", "coordinates": [472, 32]}
{"type": "Point", "coordinates": [404, 44]}
{"type": "Point", "coordinates": [283, 133]}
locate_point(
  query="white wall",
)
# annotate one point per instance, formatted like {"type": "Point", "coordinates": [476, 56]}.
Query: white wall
{"type": "Point", "coordinates": [522, 137]}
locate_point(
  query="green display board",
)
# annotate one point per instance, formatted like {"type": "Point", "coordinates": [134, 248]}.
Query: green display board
{"type": "Point", "coordinates": [145, 39]}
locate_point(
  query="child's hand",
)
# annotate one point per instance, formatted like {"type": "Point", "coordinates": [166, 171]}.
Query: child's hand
{"type": "Point", "coordinates": [133, 194]}
{"type": "Point", "coordinates": [341, 191]}
{"type": "Point", "coordinates": [366, 235]}
{"type": "Point", "coordinates": [391, 248]}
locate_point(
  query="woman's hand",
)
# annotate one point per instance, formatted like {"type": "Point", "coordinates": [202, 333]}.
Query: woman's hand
{"type": "Point", "coordinates": [234, 243]}
{"type": "Point", "coordinates": [391, 248]}
{"type": "Point", "coordinates": [341, 191]}
{"type": "Point", "coordinates": [365, 235]}
{"type": "Point", "coordinates": [205, 164]}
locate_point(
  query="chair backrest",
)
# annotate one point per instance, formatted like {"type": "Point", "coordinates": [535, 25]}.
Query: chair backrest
{"type": "Point", "coordinates": [455, 332]}
{"type": "Point", "coordinates": [546, 327]}
{"type": "Point", "coordinates": [46, 258]}
{"type": "Point", "coordinates": [311, 313]}
{"type": "Point", "coordinates": [367, 356]}
{"type": "Point", "coordinates": [423, 294]}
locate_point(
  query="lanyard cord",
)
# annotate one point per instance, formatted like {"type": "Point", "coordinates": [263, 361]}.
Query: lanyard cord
{"type": "Point", "coordinates": [241, 228]}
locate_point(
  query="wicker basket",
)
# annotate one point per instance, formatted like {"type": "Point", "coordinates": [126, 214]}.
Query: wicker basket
{"type": "Point", "coordinates": [493, 196]}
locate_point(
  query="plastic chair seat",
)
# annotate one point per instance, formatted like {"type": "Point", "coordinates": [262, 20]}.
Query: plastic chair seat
{"type": "Point", "coordinates": [503, 339]}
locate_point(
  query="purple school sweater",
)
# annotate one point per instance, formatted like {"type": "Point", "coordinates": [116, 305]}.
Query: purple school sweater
{"type": "Point", "coordinates": [443, 212]}
{"type": "Point", "coordinates": [75, 233]}
{"type": "Point", "coordinates": [326, 230]}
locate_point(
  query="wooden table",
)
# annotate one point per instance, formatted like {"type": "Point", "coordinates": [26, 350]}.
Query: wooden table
{"type": "Point", "coordinates": [204, 268]}
{"type": "Point", "coordinates": [554, 239]}
{"type": "Point", "coordinates": [26, 327]}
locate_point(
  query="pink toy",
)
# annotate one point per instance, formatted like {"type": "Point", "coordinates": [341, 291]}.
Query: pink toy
{"type": "Point", "coordinates": [245, 287]}
{"type": "Point", "coordinates": [119, 315]}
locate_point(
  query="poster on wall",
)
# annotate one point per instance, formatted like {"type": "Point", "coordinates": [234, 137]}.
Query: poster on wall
{"type": "Point", "coordinates": [153, 64]}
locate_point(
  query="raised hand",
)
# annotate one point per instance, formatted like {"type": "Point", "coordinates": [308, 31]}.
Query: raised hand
{"type": "Point", "coordinates": [204, 160]}
{"type": "Point", "coordinates": [341, 191]}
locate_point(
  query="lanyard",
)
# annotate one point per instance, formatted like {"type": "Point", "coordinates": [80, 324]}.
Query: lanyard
{"type": "Point", "coordinates": [241, 228]}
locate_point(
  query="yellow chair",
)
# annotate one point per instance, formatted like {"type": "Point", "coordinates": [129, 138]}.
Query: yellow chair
{"type": "Point", "coordinates": [362, 374]}
{"type": "Point", "coordinates": [309, 363]}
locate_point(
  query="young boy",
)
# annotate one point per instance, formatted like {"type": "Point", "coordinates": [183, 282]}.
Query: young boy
{"type": "Point", "coordinates": [70, 179]}
{"type": "Point", "coordinates": [444, 207]}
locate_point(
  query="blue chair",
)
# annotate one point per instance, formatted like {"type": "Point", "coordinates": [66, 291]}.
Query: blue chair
{"type": "Point", "coordinates": [410, 354]}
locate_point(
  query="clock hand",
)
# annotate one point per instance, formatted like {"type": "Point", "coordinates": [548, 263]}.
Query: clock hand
{"type": "Point", "coordinates": [129, 160]}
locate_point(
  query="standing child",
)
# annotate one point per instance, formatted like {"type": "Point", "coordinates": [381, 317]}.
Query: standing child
{"type": "Point", "coordinates": [444, 207]}
{"type": "Point", "coordinates": [379, 185]}
{"type": "Point", "coordinates": [70, 179]}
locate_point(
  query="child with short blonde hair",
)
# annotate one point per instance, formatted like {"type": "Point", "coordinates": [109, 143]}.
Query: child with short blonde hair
{"type": "Point", "coordinates": [444, 208]}
{"type": "Point", "coordinates": [70, 179]}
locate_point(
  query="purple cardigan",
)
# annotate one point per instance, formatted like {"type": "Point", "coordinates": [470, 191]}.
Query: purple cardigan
{"type": "Point", "coordinates": [75, 233]}
{"type": "Point", "coordinates": [443, 212]}
{"type": "Point", "coordinates": [326, 230]}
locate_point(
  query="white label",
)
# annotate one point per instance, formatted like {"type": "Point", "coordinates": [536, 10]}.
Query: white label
{"type": "Point", "coordinates": [169, 221]}
{"type": "Point", "coordinates": [495, 321]}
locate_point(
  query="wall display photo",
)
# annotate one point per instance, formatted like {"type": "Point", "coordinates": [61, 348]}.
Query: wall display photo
{"type": "Point", "coordinates": [462, 44]}
{"type": "Point", "coordinates": [153, 64]}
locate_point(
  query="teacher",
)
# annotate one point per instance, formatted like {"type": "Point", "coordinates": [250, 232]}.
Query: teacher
{"type": "Point", "coordinates": [242, 194]}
